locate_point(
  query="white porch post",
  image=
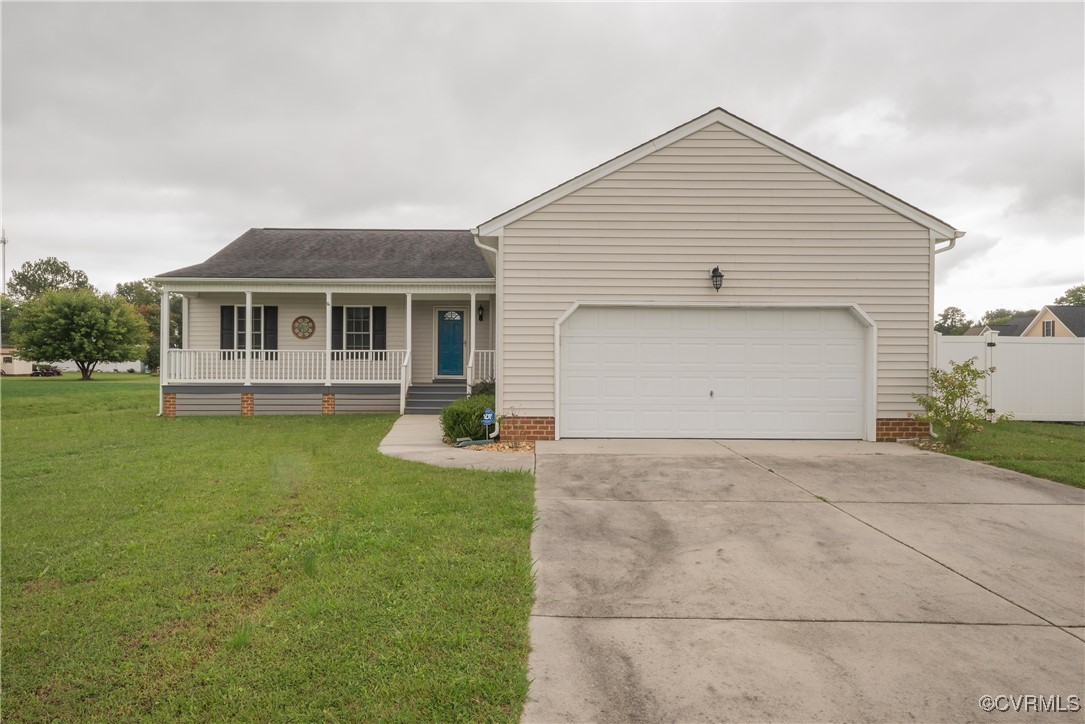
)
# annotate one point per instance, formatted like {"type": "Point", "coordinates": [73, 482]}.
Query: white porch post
{"type": "Point", "coordinates": [163, 345]}
{"type": "Point", "coordinates": [327, 339]}
{"type": "Point", "coordinates": [248, 338]}
{"type": "Point", "coordinates": [184, 321]}
{"type": "Point", "coordinates": [471, 353]}
{"type": "Point", "coordinates": [409, 367]}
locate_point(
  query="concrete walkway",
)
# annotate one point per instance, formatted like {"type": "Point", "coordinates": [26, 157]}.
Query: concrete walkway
{"type": "Point", "coordinates": [700, 581]}
{"type": "Point", "coordinates": [418, 438]}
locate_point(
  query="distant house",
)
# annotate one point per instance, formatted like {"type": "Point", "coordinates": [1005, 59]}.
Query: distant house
{"type": "Point", "coordinates": [1014, 328]}
{"type": "Point", "coordinates": [714, 282]}
{"type": "Point", "coordinates": [12, 365]}
{"type": "Point", "coordinates": [1057, 321]}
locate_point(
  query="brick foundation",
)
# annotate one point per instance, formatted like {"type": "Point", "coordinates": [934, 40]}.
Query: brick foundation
{"type": "Point", "coordinates": [527, 429]}
{"type": "Point", "coordinates": [327, 403]}
{"type": "Point", "coordinates": [891, 429]}
{"type": "Point", "coordinates": [169, 404]}
{"type": "Point", "coordinates": [248, 407]}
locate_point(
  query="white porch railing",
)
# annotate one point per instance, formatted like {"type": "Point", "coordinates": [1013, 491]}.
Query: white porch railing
{"type": "Point", "coordinates": [214, 365]}
{"type": "Point", "coordinates": [482, 366]}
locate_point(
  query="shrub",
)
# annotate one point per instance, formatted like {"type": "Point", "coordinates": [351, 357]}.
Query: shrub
{"type": "Point", "coordinates": [487, 389]}
{"type": "Point", "coordinates": [463, 417]}
{"type": "Point", "coordinates": [955, 408]}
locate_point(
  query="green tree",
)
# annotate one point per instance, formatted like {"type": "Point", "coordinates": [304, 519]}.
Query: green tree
{"type": "Point", "coordinates": [1074, 296]}
{"type": "Point", "coordinates": [34, 278]}
{"type": "Point", "coordinates": [1003, 316]}
{"type": "Point", "coordinates": [144, 296]}
{"type": "Point", "coordinates": [80, 325]}
{"type": "Point", "coordinates": [952, 322]}
{"type": "Point", "coordinates": [9, 312]}
{"type": "Point", "coordinates": [955, 408]}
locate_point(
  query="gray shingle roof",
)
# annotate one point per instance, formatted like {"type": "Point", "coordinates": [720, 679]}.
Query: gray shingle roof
{"type": "Point", "coordinates": [344, 254]}
{"type": "Point", "coordinates": [1072, 316]}
{"type": "Point", "coordinates": [1014, 327]}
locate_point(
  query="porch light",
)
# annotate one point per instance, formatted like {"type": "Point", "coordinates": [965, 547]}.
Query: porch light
{"type": "Point", "coordinates": [717, 278]}
{"type": "Point", "coordinates": [480, 313]}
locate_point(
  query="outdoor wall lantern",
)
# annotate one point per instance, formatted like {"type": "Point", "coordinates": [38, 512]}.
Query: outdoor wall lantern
{"type": "Point", "coordinates": [717, 278]}
{"type": "Point", "coordinates": [481, 313]}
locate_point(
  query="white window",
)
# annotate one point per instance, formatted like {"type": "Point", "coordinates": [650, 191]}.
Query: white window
{"type": "Point", "coordinates": [1049, 328]}
{"type": "Point", "coordinates": [357, 328]}
{"type": "Point", "coordinates": [257, 326]}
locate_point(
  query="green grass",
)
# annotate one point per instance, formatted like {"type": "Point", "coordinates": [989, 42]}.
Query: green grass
{"type": "Point", "coordinates": [252, 568]}
{"type": "Point", "coordinates": [1044, 449]}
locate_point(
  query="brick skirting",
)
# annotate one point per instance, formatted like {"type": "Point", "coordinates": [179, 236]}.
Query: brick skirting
{"type": "Point", "coordinates": [891, 429]}
{"type": "Point", "coordinates": [169, 404]}
{"type": "Point", "coordinates": [248, 404]}
{"type": "Point", "coordinates": [527, 429]}
{"type": "Point", "coordinates": [327, 403]}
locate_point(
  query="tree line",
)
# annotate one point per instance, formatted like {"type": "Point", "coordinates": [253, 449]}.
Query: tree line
{"type": "Point", "coordinates": [51, 313]}
{"type": "Point", "coordinates": [953, 322]}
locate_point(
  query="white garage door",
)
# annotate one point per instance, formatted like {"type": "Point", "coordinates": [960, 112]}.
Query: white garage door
{"type": "Point", "coordinates": [712, 373]}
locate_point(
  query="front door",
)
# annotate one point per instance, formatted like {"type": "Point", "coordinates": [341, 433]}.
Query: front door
{"type": "Point", "coordinates": [449, 343]}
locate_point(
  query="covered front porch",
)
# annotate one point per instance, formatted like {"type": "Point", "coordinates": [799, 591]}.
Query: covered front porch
{"type": "Point", "coordinates": [307, 341]}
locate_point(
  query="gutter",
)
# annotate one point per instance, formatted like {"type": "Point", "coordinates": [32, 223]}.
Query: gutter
{"type": "Point", "coordinates": [480, 245]}
{"type": "Point", "coordinates": [952, 242]}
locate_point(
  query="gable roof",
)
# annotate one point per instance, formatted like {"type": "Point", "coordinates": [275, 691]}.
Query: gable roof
{"type": "Point", "coordinates": [1073, 316]}
{"type": "Point", "coordinates": [739, 125]}
{"type": "Point", "coordinates": [344, 254]}
{"type": "Point", "coordinates": [1014, 328]}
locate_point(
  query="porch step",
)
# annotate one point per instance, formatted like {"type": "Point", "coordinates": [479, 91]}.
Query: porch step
{"type": "Point", "coordinates": [430, 398]}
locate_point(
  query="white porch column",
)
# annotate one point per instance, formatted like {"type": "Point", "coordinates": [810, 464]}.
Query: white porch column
{"type": "Point", "coordinates": [184, 321]}
{"type": "Point", "coordinates": [163, 344]}
{"type": "Point", "coordinates": [409, 367]}
{"type": "Point", "coordinates": [471, 352]}
{"type": "Point", "coordinates": [248, 338]}
{"type": "Point", "coordinates": [327, 339]}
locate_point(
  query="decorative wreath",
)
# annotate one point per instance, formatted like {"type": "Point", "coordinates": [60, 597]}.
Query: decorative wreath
{"type": "Point", "coordinates": [303, 327]}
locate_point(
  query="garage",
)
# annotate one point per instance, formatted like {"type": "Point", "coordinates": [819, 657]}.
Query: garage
{"type": "Point", "coordinates": [703, 372]}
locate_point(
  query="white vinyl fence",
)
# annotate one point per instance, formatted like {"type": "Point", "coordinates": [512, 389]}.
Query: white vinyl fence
{"type": "Point", "coordinates": [1035, 378]}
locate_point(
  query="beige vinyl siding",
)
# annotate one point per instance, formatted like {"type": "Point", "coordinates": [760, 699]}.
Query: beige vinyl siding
{"type": "Point", "coordinates": [653, 230]}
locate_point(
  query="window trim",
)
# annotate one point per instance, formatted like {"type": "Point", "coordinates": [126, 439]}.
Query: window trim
{"type": "Point", "coordinates": [1049, 328]}
{"type": "Point", "coordinates": [367, 335]}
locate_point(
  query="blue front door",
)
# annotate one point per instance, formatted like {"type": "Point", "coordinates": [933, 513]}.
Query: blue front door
{"type": "Point", "coordinates": [449, 343]}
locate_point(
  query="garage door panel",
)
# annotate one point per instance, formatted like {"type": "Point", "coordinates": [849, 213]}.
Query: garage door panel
{"type": "Point", "coordinates": [740, 373]}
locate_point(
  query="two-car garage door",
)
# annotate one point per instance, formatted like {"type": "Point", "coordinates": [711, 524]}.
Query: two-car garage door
{"type": "Point", "coordinates": [643, 372]}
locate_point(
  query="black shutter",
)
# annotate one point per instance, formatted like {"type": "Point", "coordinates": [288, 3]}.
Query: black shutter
{"type": "Point", "coordinates": [271, 327]}
{"type": "Point", "coordinates": [380, 327]}
{"type": "Point", "coordinates": [337, 330]}
{"type": "Point", "coordinates": [226, 326]}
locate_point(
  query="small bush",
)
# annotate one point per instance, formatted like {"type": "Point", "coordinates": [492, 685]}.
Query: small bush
{"type": "Point", "coordinates": [487, 389]}
{"type": "Point", "coordinates": [463, 417]}
{"type": "Point", "coordinates": [955, 408]}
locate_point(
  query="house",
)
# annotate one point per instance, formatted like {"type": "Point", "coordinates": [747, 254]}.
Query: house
{"type": "Point", "coordinates": [1057, 320]}
{"type": "Point", "coordinates": [12, 365]}
{"type": "Point", "coordinates": [715, 281]}
{"type": "Point", "coordinates": [1012, 328]}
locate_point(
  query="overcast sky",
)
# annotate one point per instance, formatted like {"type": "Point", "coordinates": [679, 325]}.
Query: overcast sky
{"type": "Point", "coordinates": [139, 138]}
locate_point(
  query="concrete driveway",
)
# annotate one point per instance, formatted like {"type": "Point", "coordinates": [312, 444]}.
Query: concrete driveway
{"type": "Point", "coordinates": [801, 581]}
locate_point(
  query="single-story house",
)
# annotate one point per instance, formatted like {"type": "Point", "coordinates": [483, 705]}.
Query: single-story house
{"type": "Point", "coordinates": [713, 282]}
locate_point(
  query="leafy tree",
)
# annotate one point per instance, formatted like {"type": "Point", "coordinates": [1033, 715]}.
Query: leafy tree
{"type": "Point", "coordinates": [79, 325]}
{"type": "Point", "coordinates": [34, 278]}
{"type": "Point", "coordinates": [1074, 296]}
{"type": "Point", "coordinates": [952, 321]}
{"type": "Point", "coordinates": [1003, 316]}
{"type": "Point", "coordinates": [9, 312]}
{"type": "Point", "coordinates": [955, 408]}
{"type": "Point", "coordinates": [143, 295]}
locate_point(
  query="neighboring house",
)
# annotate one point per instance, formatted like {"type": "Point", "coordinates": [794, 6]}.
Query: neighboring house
{"type": "Point", "coordinates": [593, 304]}
{"type": "Point", "coordinates": [1013, 328]}
{"type": "Point", "coordinates": [1057, 321]}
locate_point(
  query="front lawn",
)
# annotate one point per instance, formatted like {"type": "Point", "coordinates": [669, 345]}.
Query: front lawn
{"type": "Point", "coordinates": [251, 568]}
{"type": "Point", "coordinates": [1044, 449]}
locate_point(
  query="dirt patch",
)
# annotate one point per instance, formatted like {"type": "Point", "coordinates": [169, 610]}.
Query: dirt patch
{"type": "Point", "coordinates": [47, 583]}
